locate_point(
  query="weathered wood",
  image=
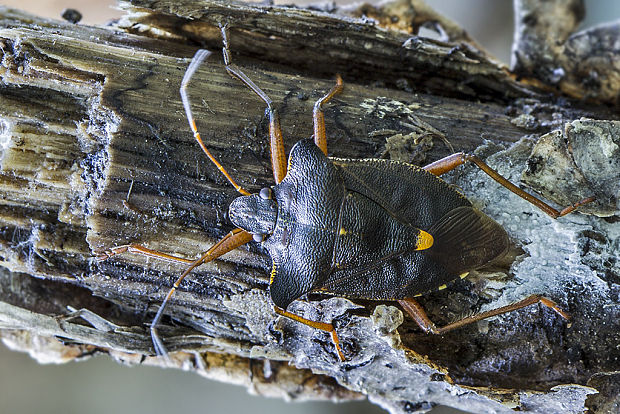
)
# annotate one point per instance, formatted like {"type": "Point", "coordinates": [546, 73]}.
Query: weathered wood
{"type": "Point", "coordinates": [324, 43]}
{"type": "Point", "coordinates": [583, 64]}
{"type": "Point", "coordinates": [97, 152]}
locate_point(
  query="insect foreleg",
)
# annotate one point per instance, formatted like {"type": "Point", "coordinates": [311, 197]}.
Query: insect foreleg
{"type": "Point", "coordinates": [327, 327]}
{"type": "Point", "coordinates": [452, 161]}
{"type": "Point", "coordinates": [416, 311]}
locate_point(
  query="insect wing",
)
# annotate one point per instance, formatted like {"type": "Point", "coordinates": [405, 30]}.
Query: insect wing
{"type": "Point", "coordinates": [466, 239]}
{"type": "Point", "coordinates": [409, 193]}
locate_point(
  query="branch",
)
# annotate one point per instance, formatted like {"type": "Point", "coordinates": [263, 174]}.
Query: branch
{"type": "Point", "coordinates": [97, 153]}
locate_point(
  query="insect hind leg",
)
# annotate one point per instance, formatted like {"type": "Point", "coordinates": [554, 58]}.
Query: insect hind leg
{"type": "Point", "coordinates": [450, 162]}
{"type": "Point", "coordinates": [416, 311]}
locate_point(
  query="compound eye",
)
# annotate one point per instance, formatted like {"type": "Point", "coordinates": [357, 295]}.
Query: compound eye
{"type": "Point", "coordinates": [265, 193]}
{"type": "Point", "coordinates": [258, 237]}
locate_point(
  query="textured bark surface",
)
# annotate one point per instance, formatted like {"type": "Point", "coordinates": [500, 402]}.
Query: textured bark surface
{"type": "Point", "coordinates": [547, 48]}
{"type": "Point", "coordinates": [96, 152]}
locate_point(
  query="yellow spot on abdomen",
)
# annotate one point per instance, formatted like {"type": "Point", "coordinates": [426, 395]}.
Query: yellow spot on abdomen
{"type": "Point", "coordinates": [442, 287]}
{"type": "Point", "coordinates": [343, 231]}
{"type": "Point", "coordinates": [425, 240]}
{"type": "Point", "coordinates": [464, 275]}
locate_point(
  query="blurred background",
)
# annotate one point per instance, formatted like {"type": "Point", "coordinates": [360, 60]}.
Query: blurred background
{"type": "Point", "coordinates": [100, 385]}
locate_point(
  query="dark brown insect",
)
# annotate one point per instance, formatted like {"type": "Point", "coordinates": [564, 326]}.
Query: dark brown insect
{"type": "Point", "coordinates": [373, 229]}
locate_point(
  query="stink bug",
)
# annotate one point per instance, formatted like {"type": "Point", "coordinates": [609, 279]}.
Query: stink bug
{"type": "Point", "coordinates": [372, 229]}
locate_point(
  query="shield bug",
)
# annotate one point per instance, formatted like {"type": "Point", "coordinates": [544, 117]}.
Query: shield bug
{"type": "Point", "coordinates": [366, 228]}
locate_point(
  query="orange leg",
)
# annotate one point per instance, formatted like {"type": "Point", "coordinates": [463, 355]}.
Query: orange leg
{"type": "Point", "coordinates": [278, 156]}
{"type": "Point", "coordinates": [320, 138]}
{"type": "Point", "coordinates": [416, 311]}
{"type": "Point", "coordinates": [452, 161]}
{"type": "Point", "coordinates": [141, 250]}
{"type": "Point", "coordinates": [231, 241]}
{"type": "Point", "coordinates": [327, 327]}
